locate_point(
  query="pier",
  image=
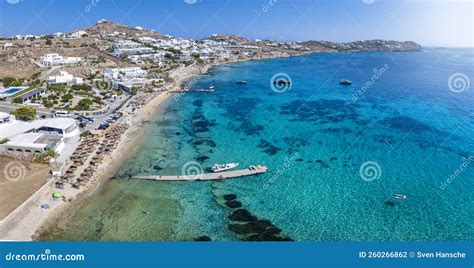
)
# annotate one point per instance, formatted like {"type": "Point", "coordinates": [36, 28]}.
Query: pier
{"type": "Point", "coordinates": [252, 170]}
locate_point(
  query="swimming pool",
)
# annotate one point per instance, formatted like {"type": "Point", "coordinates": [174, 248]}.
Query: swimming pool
{"type": "Point", "coordinates": [11, 90]}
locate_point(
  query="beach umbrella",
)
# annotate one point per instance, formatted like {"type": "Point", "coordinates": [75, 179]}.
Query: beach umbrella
{"type": "Point", "coordinates": [57, 194]}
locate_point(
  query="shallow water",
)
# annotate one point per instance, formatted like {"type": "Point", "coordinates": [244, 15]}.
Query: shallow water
{"type": "Point", "coordinates": [404, 125]}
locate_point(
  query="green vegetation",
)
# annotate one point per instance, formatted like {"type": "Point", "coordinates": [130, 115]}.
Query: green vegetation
{"type": "Point", "coordinates": [47, 155]}
{"type": "Point", "coordinates": [17, 100]}
{"type": "Point", "coordinates": [86, 133]}
{"type": "Point", "coordinates": [25, 113]}
{"type": "Point", "coordinates": [84, 105]}
{"type": "Point", "coordinates": [9, 81]}
{"type": "Point", "coordinates": [67, 97]}
{"type": "Point", "coordinates": [82, 87]}
{"type": "Point", "coordinates": [174, 51]}
{"type": "Point", "coordinates": [3, 141]}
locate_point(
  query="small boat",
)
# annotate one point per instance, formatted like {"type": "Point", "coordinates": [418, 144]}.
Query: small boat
{"type": "Point", "coordinates": [222, 167]}
{"type": "Point", "coordinates": [212, 87]}
{"type": "Point", "coordinates": [242, 82]}
{"type": "Point", "coordinates": [345, 82]}
{"type": "Point", "coordinates": [400, 196]}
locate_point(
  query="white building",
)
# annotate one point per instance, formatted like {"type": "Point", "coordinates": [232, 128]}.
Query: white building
{"type": "Point", "coordinates": [147, 40]}
{"type": "Point", "coordinates": [65, 78]}
{"type": "Point", "coordinates": [126, 44]}
{"type": "Point", "coordinates": [37, 136]}
{"type": "Point", "coordinates": [132, 51]}
{"type": "Point", "coordinates": [77, 35]}
{"type": "Point", "coordinates": [53, 59]}
{"type": "Point", "coordinates": [124, 73]}
{"type": "Point", "coordinates": [7, 46]}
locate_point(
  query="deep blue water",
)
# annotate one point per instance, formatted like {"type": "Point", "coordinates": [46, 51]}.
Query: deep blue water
{"type": "Point", "coordinates": [337, 153]}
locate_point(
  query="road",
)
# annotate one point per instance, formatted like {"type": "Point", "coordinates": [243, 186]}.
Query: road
{"type": "Point", "coordinates": [7, 107]}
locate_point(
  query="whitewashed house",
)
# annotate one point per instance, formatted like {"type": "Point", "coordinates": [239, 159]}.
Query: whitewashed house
{"type": "Point", "coordinates": [65, 78]}
{"type": "Point", "coordinates": [124, 73]}
{"type": "Point", "coordinates": [54, 59]}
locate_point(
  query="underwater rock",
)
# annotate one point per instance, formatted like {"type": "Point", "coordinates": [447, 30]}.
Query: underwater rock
{"type": "Point", "coordinates": [322, 163]}
{"type": "Point", "coordinates": [202, 158]}
{"type": "Point", "coordinates": [229, 197]}
{"type": "Point", "coordinates": [203, 238]}
{"type": "Point", "coordinates": [242, 215]}
{"type": "Point", "coordinates": [253, 227]}
{"type": "Point", "coordinates": [268, 148]}
{"type": "Point", "coordinates": [233, 204]}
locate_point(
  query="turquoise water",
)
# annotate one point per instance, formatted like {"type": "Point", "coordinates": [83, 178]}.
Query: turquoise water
{"type": "Point", "coordinates": [337, 154]}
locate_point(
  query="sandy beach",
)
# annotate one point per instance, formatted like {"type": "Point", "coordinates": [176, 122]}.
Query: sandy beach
{"type": "Point", "coordinates": [30, 218]}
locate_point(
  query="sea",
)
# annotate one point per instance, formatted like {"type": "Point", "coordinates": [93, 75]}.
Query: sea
{"type": "Point", "coordinates": [389, 157]}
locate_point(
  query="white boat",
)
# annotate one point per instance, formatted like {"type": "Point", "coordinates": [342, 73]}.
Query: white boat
{"type": "Point", "coordinates": [222, 167]}
{"type": "Point", "coordinates": [400, 196]}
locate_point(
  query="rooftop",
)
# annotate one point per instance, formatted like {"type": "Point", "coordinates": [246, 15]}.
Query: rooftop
{"type": "Point", "coordinates": [20, 127]}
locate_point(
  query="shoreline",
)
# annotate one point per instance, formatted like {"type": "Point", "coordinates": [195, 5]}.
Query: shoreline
{"type": "Point", "coordinates": [31, 221]}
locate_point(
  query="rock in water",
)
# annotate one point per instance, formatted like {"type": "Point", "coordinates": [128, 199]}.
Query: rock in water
{"type": "Point", "coordinates": [229, 197]}
{"type": "Point", "coordinates": [203, 238]}
{"type": "Point", "coordinates": [242, 215]}
{"type": "Point", "coordinates": [233, 204]}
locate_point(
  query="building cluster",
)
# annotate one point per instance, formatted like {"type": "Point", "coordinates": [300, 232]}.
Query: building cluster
{"type": "Point", "coordinates": [54, 59]}
{"type": "Point", "coordinates": [35, 137]}
{"type": "Point", "coordinates": [64, 78]}
{"type": "Point", "coordinates": [162, 51]}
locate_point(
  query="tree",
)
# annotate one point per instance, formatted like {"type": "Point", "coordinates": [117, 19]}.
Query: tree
{"type": "Point", "coordinates": [17, 100]}
{"type": "Point", "coordinates": [25, 113]}
{"type": "Point", "coordinates": [83, 105]}
{"type": "Point", "coordinates": [67, 97]}
{"type": "Point", "coordinates": [9, 81]}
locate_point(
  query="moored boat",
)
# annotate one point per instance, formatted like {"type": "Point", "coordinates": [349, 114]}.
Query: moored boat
{"type": "Point", "coordinates": [222, 167]}
{"type": "Point", "coordinates": [400, 196]}
{"type": "Point", "coordinates": [345, 82]}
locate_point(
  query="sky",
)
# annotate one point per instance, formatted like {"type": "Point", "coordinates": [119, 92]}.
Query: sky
{"type": "Point", "coordinates": [447, 23]}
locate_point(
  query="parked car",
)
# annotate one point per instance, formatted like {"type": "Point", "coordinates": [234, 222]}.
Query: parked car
{"type": "Point", "coordinates": [103, 126]}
